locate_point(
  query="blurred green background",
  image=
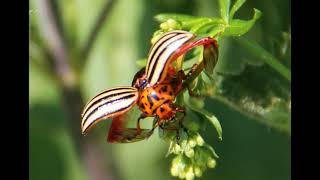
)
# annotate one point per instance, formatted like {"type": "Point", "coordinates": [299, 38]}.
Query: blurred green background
{"type": "Point", "coordinates": [249, 150]}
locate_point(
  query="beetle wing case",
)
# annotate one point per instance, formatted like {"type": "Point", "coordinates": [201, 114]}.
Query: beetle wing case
{"type": "Point", "coordinates": [108, 104]}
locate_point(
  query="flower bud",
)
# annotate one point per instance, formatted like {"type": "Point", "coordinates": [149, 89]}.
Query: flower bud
{"type": "Point", "coordinates": [211, 163]}
{"type": "Point", "coordinates": [164, 25]}
{"type": "Point", "coordinates": [197, 171]}
{"type": "Point", "coordinates": [177, 160]}
{"type": "Point", "coordinates": [182, 175]}
{"type": "Point", "coordinates": [177, 149]}
{"type": "Point", "coordinates": [189, 152]}
{"type": "Point", "coordinates": [174, 170]}
{"type": "Point", "coordinates": [192, 143]}
{"type": "Point", "coordinates": [189, 176]}
{"type": "Point", "coordinates": [171, 23]}
{"type": "Point", "coordinates": [199, 140]}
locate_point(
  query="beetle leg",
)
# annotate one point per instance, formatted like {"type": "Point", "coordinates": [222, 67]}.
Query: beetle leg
{"type": "Point", "coordinates": [142, 116]}
{"type": "Point", "coordinates": [182, 76]}
{"type": "Point", "coordinates": [154, 126]}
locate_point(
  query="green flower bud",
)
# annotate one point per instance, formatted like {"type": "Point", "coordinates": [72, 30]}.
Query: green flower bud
{"type": "Point", "coordinates": [199, 140]}
{"type": "Point", "coordinates": [164, 26]}
{"type": "Point", "coordinates": [177, 160]}
{"type": "Point", "coordinates": [184, 144]}
{"type": "Point", "coordinates": [190, 176]}
{"type": "Point", "coordinates": [177, 149]}
{"type": "Point", "coordinates": [192, 143]}
{"type": "Point", "coordinates": [174, 170]}
{"type": "Point", "coordinates": [156, 36]}
{"type": "Point", "coordinates": [211, 163]}
{"type": "Point", "coordinates": [189, 152]}
{"type": "Point", "coordinates": [197, 171]}
{"type": "Point", "coordinates": [171, 23]}
{"type": "Point", "coordinates": [182, 175]}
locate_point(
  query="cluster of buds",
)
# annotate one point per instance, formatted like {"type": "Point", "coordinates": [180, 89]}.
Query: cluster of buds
{"type": "Point", "coordinates": [192, 157]}
{"type": "Point", "coordinates": [166, 26]}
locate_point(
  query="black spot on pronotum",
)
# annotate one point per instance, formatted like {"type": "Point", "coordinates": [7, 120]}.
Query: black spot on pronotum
{"type": "Point", "coordinates": [164, 88]}
{"type": "Point", "coordinates": [155, 97]}
{"type": "Point", "coordinates": [161, 109]}
{"type": "Point", "coordinates": [170, 93]}
{"type": "Point", "coordinates": [150, 101]}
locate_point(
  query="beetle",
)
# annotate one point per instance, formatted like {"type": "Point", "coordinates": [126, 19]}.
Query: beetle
{"type": "Point", "coordinates": [153, 88]}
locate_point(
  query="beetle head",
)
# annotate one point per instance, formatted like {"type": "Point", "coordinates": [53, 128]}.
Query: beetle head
{"type": "Point", "coordinates": [140, 79]}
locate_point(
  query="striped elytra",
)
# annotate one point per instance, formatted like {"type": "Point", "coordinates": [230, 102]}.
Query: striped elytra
{"type": "Point", "coordinates": [161, 52]}
{"type": "Point", "coordinates": [108, 104]}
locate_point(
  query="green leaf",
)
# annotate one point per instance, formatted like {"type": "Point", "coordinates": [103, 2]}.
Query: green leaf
{"type": "Point", "coordinates": [234, 63]}
{"type": "Point", "coordinates": [239, 27]}
{"type": "Point", "coordinates": [195, 22]}
{"type": "Point", "coordinates": [215, 31]}
{"type": "Point", "coordinates": [180, 17]}
{"type": "Point", "coordinates": [256, 95]}
{"type": "Point", "coordinates": [195, 29]}
{"type": "Point", "coordinates": [236, 6]}
{"type": "Point", "coordinates": [188, 21]}
{"type": "Point", "coordinates": [256, 50]}
{"type": "Point", "coordinates": [224, 9]}
{"type": "Point", "coordinates": [213, 120]}
{"type": "Point", "coordinates": [212, 150]}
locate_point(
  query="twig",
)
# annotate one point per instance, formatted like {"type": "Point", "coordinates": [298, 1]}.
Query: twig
{"type": "Point", "coordinates": [71, 94]}
{"type": "Point", "coordinates": [96, 29]}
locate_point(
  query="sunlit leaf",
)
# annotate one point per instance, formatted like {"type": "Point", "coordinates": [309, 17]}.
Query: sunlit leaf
{"type": "Point", "coordinates": [235, 7]}
{"type": "Point", "coordinates": [224, 9]}
{"type": "Point", "coordinates": [239, 27]}
{"type": "Point", "coordinates": [209, 116]}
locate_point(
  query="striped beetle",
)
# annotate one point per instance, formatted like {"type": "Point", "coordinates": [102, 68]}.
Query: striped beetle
{"type": "Point", "coordinates": [153, 89]}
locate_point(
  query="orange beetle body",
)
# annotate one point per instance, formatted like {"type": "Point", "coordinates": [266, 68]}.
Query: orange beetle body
{"type": "Point", "coordinates": [156, 100]}
{"type": "Point", "coordinates": [154, 89]}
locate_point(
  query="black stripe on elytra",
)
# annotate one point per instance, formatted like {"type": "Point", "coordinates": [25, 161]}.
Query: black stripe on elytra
{"type": "Point", "coordinates": [102, 99]}
{"type": "Point", "coordinates": [155, 51]}
{"type": "Point", "coordinates": [120, 88]}
{"type": "Point", "coordinates": [156, 61]}
{"type": "Point", "coordinates": [125, 97]}
{"type": "Point", "coordinates": [106, 114]}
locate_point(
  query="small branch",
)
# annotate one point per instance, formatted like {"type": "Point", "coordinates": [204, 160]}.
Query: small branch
{"type": "Point", "coordinates": [55, 42]}
{"type": "Point", "coordinates": [96, 29]}
{"type": "Point", "coordinates": [73, 104]}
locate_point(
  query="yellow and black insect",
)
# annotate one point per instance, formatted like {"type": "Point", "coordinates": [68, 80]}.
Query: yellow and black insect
{"type": "Point", "coordinates": [154, 88]}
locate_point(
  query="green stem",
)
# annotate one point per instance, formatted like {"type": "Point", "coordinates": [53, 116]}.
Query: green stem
{"type": "Point", "coordinates": [264, 55]}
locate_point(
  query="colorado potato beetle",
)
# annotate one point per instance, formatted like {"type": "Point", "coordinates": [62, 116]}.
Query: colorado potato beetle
{"type": "Point", "coordinates": [154, 88]}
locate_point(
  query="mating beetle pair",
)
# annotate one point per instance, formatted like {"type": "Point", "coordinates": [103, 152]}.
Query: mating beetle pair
{"type": "Point", "coordinates": [154, 88]}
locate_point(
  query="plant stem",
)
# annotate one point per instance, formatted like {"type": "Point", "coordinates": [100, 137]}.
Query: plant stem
{"type": "Point", "coordinates": [71, 95]}
{"type": "Point", "coordinates": [264, 55]}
